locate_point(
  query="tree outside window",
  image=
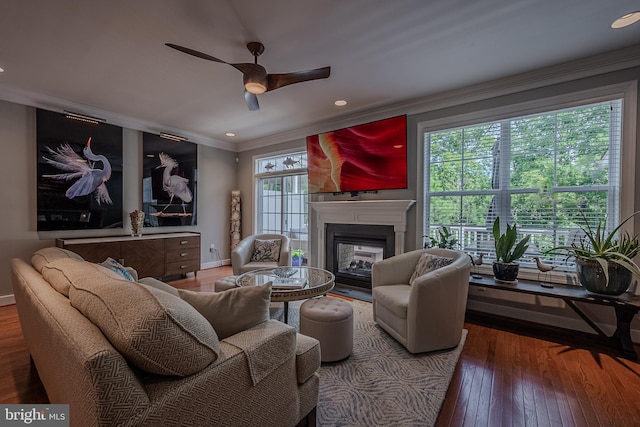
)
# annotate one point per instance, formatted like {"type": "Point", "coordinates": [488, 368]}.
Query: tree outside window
{"type": "Point", "coordinates": [538, 171]}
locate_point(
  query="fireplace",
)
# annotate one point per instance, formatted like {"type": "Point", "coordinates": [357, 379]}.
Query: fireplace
{"type": "Point", "coordinates": [347, 217]}
{"type": "Point", "coordinates": [352, 249]}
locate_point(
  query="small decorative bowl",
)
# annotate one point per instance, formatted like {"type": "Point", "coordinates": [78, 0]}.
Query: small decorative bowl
{"type": "Point", "coordinates": [284, 271]}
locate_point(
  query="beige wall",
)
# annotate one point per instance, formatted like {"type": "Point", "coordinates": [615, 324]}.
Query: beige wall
{"type": "Point", "coordinates": [18, 235]}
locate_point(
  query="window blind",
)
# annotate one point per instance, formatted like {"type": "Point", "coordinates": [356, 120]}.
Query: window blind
{"type": "Point", "coordinates": [542, 172]}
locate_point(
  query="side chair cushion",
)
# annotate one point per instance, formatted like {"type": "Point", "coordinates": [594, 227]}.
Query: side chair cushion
{"type": "Point", "coordinates": [234, 310]}
{"type": "Point", "coordinates": [428, 263]}
{"type": "Point", "coordinates": [153, 330]}
{"type": "Point", "coordinates": [266, 250]}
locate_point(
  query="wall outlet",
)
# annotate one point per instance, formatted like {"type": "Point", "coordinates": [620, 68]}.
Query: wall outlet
{"type": "Point", "coordinates": [212, 249]}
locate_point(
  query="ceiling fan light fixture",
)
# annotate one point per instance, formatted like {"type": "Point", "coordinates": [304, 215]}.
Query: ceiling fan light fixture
{"type": "Point", "coordinates": [255, 82]}
{"type": "Point", "coordinates": [626, 20]}
{"type": "Point", "coordinates": [255, 87]}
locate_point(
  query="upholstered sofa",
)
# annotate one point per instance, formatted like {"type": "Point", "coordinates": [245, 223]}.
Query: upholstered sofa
{"type": "Point", "coordinates": [262, 376]}
{"type": "Point", "coordinates": [420, 297]}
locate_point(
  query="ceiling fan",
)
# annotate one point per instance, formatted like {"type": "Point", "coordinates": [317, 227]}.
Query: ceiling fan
{"type": "Point", "coordinates": [255, 77]}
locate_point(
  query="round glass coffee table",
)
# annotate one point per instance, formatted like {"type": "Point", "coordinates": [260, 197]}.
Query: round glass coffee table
{"type": "Point", "coordinates": [290, 283]}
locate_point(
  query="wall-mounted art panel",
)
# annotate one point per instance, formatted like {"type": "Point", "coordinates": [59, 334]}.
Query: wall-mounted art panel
{"type": "Point", "coordinates": [169, 182]}
{"type": "Point", "coordinates": [79, 181]}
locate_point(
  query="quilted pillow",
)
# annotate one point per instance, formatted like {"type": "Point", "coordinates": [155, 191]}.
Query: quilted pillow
{"type": "Point", "coordinates": [154, 330]}
{"type": "Point", "coordinates": [266, 250]}
{"type": "Point", "coordinates": [233, 310]}
{"type": "Point", "coordinates": [55, 272]}
{"type": "Point", "coordinates": [46, 255]}
{"type": "Point", "coordinates": [427, 263]}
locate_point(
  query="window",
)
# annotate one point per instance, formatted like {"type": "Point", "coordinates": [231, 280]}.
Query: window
{"type": "Point", "coordinates": [282, 195]}
{"type": "Point", "coordinates": [541, 171]}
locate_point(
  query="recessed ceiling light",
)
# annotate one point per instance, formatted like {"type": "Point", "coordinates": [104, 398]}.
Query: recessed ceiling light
{"type": "Point", "coordinates": [340, 102]}
{"type": "Point", "coordinates": [230, 134]}
{"type": "Point", "coordinates": [626, 20]}
{"type": "Point", "coordinates": [1, 70]}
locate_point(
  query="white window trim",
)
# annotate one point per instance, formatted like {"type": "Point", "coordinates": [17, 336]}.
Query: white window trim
{"type": "Point", "coordinates": [255, 176]}
{"type": "Point", "coordinates": [627, 91]}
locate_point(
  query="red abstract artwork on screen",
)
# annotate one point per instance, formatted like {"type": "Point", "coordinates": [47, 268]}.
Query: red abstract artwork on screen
{"type": "Point", "coordinates": [366, 157]}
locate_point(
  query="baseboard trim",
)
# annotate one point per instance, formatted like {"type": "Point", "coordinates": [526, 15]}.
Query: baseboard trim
{"type": "Point", "coordinates": [7, 300]}
{"type": "Point", "coordinates": [214, 264]}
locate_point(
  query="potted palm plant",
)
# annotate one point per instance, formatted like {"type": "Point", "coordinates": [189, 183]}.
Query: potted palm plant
{"type": "Point", "coordinates": [505, 267]}
{"type": "Point", "coordinates": [604, 261]}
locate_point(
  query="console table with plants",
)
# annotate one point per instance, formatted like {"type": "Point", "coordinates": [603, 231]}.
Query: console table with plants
{"type": "Point", "coordinates": [626, 306]}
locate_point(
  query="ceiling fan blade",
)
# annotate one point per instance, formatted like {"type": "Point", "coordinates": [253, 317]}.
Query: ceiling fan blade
{"type": "Point", "coordinates": [275, 81]}
{"type": "Point", "coordinates": [195, 53]}
{"type": "Point", "coordinates": [250, 68]}
{"type": "Point", "coordinates": [251, 100]}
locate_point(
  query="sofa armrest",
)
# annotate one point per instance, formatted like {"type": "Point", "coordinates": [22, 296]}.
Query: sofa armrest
{"type": "Point", "coordinates": [307, 357]}
{"type": "Point", "coordinates": [267, 346]}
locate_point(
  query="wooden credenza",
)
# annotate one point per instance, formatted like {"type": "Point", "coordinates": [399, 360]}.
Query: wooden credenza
{"type": "Point", "coordinates": [152, 255]}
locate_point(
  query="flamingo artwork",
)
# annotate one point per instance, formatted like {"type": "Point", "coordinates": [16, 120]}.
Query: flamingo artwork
{"type": "Point", "coordinates": [88, 178]}
{"type": "Point", "coordinates": [174, 185]}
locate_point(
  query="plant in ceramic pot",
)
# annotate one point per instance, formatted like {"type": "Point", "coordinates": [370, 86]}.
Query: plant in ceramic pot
{"type": "Point", "coordinates": [604, 261]}
{"type": "Point", "coordinates": [505, 267]}
{"type": "Point", "coordinates": [296, 257]}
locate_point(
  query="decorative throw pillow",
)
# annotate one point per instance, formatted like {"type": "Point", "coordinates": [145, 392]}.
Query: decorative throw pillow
{"type": "Point", "coordinates": [427, 263]}
{"type": "Point", "coordinates": [46, 255]}
{"type": "Point", "coordinates": [266, 250]}
{"type": "Point", "coordinates": [118, 268]}
{"type": "Point", "coordinates": [57, 272]}
{"type": "Point", "coordinates": [154, 330]}
{"type": "Point", "coordinates": [233, 310]}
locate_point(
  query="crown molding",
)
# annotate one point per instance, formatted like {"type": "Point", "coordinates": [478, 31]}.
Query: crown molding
{"type": "Point", "coordinates": [51, 103]}
{"type": "Point", "coordinates": [607, 62]}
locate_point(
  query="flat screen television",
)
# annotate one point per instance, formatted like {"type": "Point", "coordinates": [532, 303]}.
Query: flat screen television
{"type": "Point", "coordinates": [367, 157]}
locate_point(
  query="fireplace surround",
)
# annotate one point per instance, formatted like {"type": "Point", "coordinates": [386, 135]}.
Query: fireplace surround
{"type": "Point", "coordinates": [389, 213]}
{"type": "Point", "coordinates": [351, 250]}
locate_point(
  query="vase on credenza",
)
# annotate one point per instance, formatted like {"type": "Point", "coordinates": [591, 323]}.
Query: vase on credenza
{"type": "Point", "coordinates": [137, 222]}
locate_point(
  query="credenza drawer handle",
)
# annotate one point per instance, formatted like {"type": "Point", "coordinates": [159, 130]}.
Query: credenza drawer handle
{"type": "Point", "coordinates": [184, 266]}
{"type": "Point", "coordinates": [184, 254]}
{"type": "Point", "coordinates": [184, 242]}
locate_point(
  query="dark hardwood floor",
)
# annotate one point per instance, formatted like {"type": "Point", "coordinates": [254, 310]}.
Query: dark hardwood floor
{"type": "Point", "coordinates": [510, 373]}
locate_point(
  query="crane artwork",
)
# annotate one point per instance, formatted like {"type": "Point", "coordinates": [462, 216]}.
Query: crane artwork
{"type": "Point", "coordinates": [174, 185]}
{"type": "Point", "coordinates": [88, 178]}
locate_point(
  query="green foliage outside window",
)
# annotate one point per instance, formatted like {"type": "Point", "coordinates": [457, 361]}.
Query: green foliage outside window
{"type": "Point", "coordinates": [557, 165]}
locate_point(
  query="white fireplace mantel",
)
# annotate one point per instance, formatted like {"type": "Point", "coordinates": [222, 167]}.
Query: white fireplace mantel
{"type": "Point", "coordinates": [373, 212]}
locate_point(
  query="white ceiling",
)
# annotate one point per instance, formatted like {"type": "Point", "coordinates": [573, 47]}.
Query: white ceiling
{"type": "Point", "coordinates": [108, 58]}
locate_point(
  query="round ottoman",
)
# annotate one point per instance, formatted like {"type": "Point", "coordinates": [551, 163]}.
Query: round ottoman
{"type": "Point", "coordinates": [330, 321]}
{"type": "Point", "coordinates": [225, 283]}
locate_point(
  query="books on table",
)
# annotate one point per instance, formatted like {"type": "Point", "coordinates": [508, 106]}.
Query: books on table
{"type": "Point", "coordinates": [288, 284]}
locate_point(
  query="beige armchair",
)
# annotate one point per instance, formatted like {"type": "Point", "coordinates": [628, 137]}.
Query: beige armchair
{"type": "Point", "coordinates": [429, 314]}
{"type": "Point", "coordinates": [241, 256]}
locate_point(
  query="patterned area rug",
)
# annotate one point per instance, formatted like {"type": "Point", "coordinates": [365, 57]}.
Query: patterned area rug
{"type": "Point", "coordinates": [381, 383]}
